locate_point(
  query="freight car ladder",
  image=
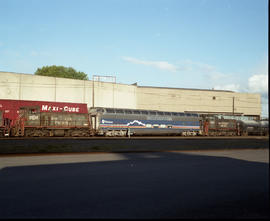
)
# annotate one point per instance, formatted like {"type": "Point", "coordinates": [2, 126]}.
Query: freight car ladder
{"type": "Point", "coordinates": [19, 127]}
{"type": "Point", "coordinates": [6, 131]}
{"type": "Point", "coordinates": [6, 127]}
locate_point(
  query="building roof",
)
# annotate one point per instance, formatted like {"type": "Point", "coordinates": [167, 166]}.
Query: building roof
{"type": "Point", "coordinates": [135, 84]}
{"type": "Point", "coordinates": [193, 89]}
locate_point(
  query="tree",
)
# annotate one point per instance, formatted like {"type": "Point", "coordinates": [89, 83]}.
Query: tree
{"type": "Point", "coordinates": [61, 71]}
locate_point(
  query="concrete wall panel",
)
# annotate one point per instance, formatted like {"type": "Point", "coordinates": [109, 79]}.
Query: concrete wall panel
{"type": "Point", "coordinates": [69, 90]}
{"type": "Point", "coordinates": [38, 88]}
{"type": "Point", "coordinates": [9, 86]}
{"type": "Point", "coordinates": [198, 100]}
{"type": "Point", "coordinates": [114, 95]}
{"type": "Point", "coordinates": [31, 87]}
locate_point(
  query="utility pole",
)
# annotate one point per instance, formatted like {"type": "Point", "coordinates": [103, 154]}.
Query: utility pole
{"type": "Point", "coordinates": [93, 93]}
{"type": "Point", "coordinates": [233, 106]}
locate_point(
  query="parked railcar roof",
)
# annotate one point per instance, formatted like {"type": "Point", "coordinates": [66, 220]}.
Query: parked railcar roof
{"type": "Point", "coordinates": [143, 111]}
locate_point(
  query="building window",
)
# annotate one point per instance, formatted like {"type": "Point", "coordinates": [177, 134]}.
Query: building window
{"type": "Point", "coordinates": [214, 98]}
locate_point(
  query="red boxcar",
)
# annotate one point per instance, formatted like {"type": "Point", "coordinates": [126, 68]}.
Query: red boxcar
{"type": "Point", "coordinates": [43, 118]}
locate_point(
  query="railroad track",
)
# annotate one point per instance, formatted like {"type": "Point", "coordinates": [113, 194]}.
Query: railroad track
{"type": "Point", "coordinates": [136, 137]}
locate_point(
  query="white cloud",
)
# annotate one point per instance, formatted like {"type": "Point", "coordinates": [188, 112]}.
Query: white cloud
{"type": "Point", "coordinates": [163, 65]}
{"type": "Point", "coordinates": [229, 87]}
{"type": "Point", "coordinates": [258, 83]}
{"type": "Point", "coordinates": [200, 66]}
{"type": "Point", "coordinates": [210, 72]}
{"type": "Point", "coordinates": [216, 76]}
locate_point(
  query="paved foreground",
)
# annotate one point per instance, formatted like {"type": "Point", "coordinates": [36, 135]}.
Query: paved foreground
{"type": "Point", "coordinates": [182, 184]}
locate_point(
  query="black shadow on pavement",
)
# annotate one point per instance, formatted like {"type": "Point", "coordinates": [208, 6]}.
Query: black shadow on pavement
{"type": "Point", "coordinates": [142, 185]}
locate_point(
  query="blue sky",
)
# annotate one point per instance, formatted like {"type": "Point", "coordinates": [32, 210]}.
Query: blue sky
{"type": "Point", "coordinates": [220, 44]}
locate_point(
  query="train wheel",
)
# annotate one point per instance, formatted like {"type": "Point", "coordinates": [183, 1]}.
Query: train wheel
{"type": "Point", "coordinates": [245, 133]}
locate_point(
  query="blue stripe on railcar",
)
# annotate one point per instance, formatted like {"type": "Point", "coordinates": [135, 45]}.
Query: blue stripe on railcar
{"type": "Point", "coordinates": [110, 123]}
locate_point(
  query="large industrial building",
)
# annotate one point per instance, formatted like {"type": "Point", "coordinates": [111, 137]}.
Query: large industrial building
{"type": "Point", "coordinates": [17, 86]}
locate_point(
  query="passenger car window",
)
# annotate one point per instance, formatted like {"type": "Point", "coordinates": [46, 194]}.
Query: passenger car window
{"type": "Point", "coordinates": [136, 112]}
{"type": "Point", "coordinates": [110, 110]}
{"type": "Point", "coordinates": [119, 111]}
{"type": "Point", "coordinates": [100, 110]}
{"type": "Point", "coordinates": [128, 112]}
{"type": "Point", "coordinates": [144, 112]}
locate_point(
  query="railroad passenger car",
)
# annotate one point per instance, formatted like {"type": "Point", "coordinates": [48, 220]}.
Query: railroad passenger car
{"type": "Point", "coordinates": [122, 122]}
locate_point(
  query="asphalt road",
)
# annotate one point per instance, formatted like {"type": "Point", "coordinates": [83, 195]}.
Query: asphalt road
{"type": "Point", "coordinates": [182, 184]}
